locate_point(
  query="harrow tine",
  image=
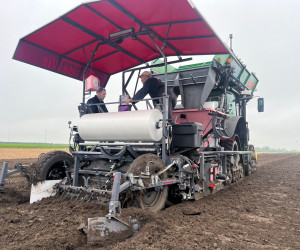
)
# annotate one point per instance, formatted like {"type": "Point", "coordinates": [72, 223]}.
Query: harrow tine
{"type": "Point", "coordinates": [72, 196]}
{"type": "Point", "coordinates": [84, 198]}
{"type": "Point", "coordinates": [91, 197]}
{"type": "Point", "coordinates": [82, 194]}
{"type": "Point", "coordinates": [79, 195]}
{"type": "Point", "coordinates": [76, 194]}
{"type": "Point", "coordinates": [67, 195]}
{"type": "Point", "coordinates": [63, 193]}
{"type": "Point", "coordinates": [99, 199]}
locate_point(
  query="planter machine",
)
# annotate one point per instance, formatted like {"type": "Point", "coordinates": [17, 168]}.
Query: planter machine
{"type": "Point", "coordinates": [143, 157]}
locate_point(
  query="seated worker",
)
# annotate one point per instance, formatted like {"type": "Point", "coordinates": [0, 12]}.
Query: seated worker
{"type": "Point", "coordinates": [155, 88]}
{"type": "Point", "coordinates": [98, 99]}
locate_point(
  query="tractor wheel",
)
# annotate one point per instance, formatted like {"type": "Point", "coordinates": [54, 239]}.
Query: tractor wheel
{"type": "Point", "coordinates": [52, 165]}
{"type": "Point", "coordinates": [151, 199]}
{"type": "Point", "coordinates": [248, 167]}
{"type": "Point", "coordinates": [231, 161]}
{"type": "Point", "coordinates": [253, 159]}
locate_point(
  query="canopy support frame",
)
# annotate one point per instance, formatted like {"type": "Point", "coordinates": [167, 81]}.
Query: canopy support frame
{"type": "Point", "coordinates": [113, 2]}
{"type": "Point", "coordinates": [165, 97]}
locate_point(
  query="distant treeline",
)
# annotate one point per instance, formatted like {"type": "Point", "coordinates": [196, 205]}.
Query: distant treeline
{"type": "Point", "coordinates": [268, 149]}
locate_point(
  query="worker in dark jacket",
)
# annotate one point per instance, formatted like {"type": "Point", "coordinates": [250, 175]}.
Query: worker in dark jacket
{"type": "Point", "coordinates": [155, 88]}
{"type": "Point", "coordinates": [98, 99]}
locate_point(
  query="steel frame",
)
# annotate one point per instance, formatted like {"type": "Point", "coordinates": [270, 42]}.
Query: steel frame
{"type": "Point", "coordinates": [19, 168]}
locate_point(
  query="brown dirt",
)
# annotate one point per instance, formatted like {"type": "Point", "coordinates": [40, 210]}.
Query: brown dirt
{"type": "Point", "coordinates": [260, 212]}
{"type": "Point", "coordinates": [23, 153]}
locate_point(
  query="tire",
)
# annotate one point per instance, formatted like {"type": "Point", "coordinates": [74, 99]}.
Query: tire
{"type": "Point", "coordinates": [52, 165]}
{"type": "Point", "coordinates": [233, 146]}
{"type": "Point", "coordinates": [150, 199]}
{"type": "Point", "coordinates": [253, 160]}
{"type": "Point", "coordinates": [248, 168]}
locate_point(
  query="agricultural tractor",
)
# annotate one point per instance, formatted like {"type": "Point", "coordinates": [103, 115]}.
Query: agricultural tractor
{"type": "Point", "coordinates": [140, 156]}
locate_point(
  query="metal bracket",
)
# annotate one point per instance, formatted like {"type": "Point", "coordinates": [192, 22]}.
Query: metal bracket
{"type": "Point", "coordinates": [86, 181]}
{"type": "Point", "coordinates": [5, 173]}
{"type": "Point", "coordinates": [218, 124]}
{"type": "Point", "coordinates": [114, 204]}
{"type": "Point", "coordinates": [147, 172]}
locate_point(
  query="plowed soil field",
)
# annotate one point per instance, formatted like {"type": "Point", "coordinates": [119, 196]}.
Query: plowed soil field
{"type": "Point", "coordinates": [260, 212]}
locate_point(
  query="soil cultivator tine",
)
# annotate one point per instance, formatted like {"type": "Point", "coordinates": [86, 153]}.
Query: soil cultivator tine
{"type": "Point", "coordinates": [63, 195]}
{"type": "Point", "coordinates": [99, 200]}
{"type": "Point", "coordinates": [92, 197]}
{"type": "Point", "coordinates": [84, 198]}
{"type": "Point", "coordinates": [73, 195]}
{"type": "Point", "coordinates": [67, 195]}
{"type": "Point", "coordinates": [78, 195]}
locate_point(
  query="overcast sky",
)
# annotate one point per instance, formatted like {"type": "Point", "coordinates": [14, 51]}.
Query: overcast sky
{"type": "Point", "coordinates": [36, 104]}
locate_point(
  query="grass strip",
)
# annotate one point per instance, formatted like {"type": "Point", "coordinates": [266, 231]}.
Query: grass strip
{"type": "Point", "coordinates": [54, 146]}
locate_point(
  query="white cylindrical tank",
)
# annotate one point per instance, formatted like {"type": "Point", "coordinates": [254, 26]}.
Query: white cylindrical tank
{"type": "Point", "coordinates": [122, 126]}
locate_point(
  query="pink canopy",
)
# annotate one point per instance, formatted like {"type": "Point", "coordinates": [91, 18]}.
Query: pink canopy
{"type": "Point", "coordinates": [66, 45]}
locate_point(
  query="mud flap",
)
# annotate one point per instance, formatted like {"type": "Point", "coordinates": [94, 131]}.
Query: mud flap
{"type": "Point", "coordinates": [42, 190]}
{"type": "Point", "coordinates": [102, 229]}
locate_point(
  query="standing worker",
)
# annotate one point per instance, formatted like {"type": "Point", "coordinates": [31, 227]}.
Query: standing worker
{"type": "Point", "coordinates": [98, 99]}
{"type": "Point", "coordinates": [155, 88]}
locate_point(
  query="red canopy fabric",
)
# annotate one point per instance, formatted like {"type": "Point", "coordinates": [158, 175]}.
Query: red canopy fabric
{"type": "Point", "coordinates": [66, 45]}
